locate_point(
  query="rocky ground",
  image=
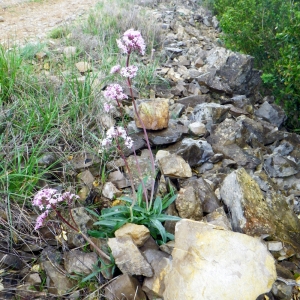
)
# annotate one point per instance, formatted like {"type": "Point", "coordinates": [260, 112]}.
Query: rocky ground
{"type": "Point", "coordinates": [32, 20]}
{"type": "Point", "coordinates": [223, 147]}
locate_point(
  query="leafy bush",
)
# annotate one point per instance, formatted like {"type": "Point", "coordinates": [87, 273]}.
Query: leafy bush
{"type": "Point", "coordinates": [269, 31]}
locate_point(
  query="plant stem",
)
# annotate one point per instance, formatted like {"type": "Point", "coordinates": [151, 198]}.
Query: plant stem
{"type": "Point", "coordinates": [99, 251]}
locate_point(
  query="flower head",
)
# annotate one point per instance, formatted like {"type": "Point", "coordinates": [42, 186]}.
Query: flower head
{"type": "Point", "coordinates": [115, 92]}
{"type": "Point", "coordinates": [129, 72]}
{"type": "Point", "coordinates": [116, 133]}
{"type": "Point", "coordinates": [132, 41]}
{"type": "Point", "coordinates": [40, 220]}
{"type": "Point", "coordinates": [107, 107]}
{"type": "Point", "coordinates": [115, 69]}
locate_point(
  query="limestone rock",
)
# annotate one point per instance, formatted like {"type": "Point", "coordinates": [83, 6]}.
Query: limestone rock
{"type": "Point", "coordinates": [139, 233]}
{"type": "Point", "coordinates": [160, 262]}
{"type": "Point", "coordinates": [271, 113]}
{"type": "Point", "coordinates": [153, 113]}
{"type": "Point", "coordinates": [110, 191]}
{"type": "Point", "coordinates": [254, 214]}
{"type": "Point", "coordinates": [124, 287]}
{"type": "Point", "coordinates": [218, 218]}
{"type": "Point", "coordinates": [210, 111]}
{"type": "Point", "coordinates": [118, 179]}
{"type": "Point", "coordinates": [77, 261]}
{"type": "Point", "coordinates": [188, 205]}
{"type": "Point", "coordinates": [128, 257]}
{"type": "Point", "coordinates": [69, 51]}
{"type": "Point", "coordinates": [83, 66]}
{"type": "Point", "coordinates": [175, 166]}
{"type": "Point", "coordinates": [280, 166]}
{"type": "Point", "coordinates": [207, 259]}
{"type": "Point", "coordinates": [197, 128]}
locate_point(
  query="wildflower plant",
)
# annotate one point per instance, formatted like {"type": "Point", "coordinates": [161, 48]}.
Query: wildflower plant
{"type": "Point", "coordinates": [50, 199]}
{"type": "Point", "coordinates": [131, 41]}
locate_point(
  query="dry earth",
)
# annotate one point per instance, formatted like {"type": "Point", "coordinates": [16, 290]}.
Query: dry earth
{"type": "Point", "coordinates": [22, 21]}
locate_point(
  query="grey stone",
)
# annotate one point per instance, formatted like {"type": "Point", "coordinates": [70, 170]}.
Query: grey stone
{"type": "Point", "coordinates": [192, 101]}
{"type": "Point", "coordinates": [279, 166]}
{"type": "Point", "coordinates": [218, 218]}
{"type": "Point", "coordinates": [110, 191]}
{"type": "Point", "coordinates": [271, 113]}
{"type": "Point", "coordinates": [210, 111]}
{"type": "Point", "coordinates": [188, 204]}
{"type": "Point", "coordinates": [128, 258]}
{"type": "Point", "coordinates": [77, 261]}
{"type": "Point", "coordinates": [124, 287]}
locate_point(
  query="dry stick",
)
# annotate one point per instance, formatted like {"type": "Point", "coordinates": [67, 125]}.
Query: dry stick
{"type": "Point", "coordinates": [99, 251]}
{"type": "Point", "coordinates": [145, 134]}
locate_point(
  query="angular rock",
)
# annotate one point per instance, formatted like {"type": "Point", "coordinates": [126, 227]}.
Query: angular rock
{"type": "Point", "coordinates": [210, 112]}
{"type": "Point", "coordinates": [124, 287]}
{"type": "Point", "coordinates": [244, 266]}
{"type": "Point", "coordinates": [192, 101]}
{"type": "Point", "coordinates": [218, 218]}
{"type": "Point", "coordinates": [139, 233]}
{"type": "Point", "coordinates": [188, 205]}
{"type": "Point", "coordinates": [87, 178]}
{"type": "Point", "coordinates": [198, 129]}
{"type": "Point", "coordinates": [271, 113]}
{"type": "Point", "coordinates": [128, 258]}
{"type": "Point", "coordinates": [255, 215]}
{"type": "Point", "coordinates": [167, 136]}
{"type": "Point", "coordinates": [153, 113]}
{"type": "Point", "coordinates": [160, 262]}
{"type": "Point", "coordinates": [174, 166]}
{"type": "Point", "coordinates": [279, 166]}
{"type": "Point", "coordinates": [110, 191]}
{"type": "Point", "coordinates": [118, 179]}
{"type": "Point", "coordinates": [83, 66]}
{"type": "Point", "coordinates": [203, 192]}
{"type": "Point", "coordinates": [194, 152]}
{"type": "Point", "coordinates": [77, 261]}
{"type": "Point", "coordinates": [69, 51]}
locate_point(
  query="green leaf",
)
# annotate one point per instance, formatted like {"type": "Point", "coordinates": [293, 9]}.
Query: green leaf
{"type": "Point", "coordinates": [92, 212]}
{"type": "Point", "coordinates": [167, 203]}
{"type": "Point", "coordinates": [108, 223]}
{"type": "Point", "coordinates": [157, 206]}
{"type": "Point", "coordinates": [160, 228]}
{"type": "Point", "coordinates": [164, 217]}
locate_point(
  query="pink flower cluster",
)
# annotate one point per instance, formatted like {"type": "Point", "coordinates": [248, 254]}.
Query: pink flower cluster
{"type": "Point", "coordinates": [48, 198]}
{"type": "Point", "coordinates": [132, 41]}
{"type": "Point", "coordinates": [116, 133]}
{"type": "Point", "coordinates": [129, 72]}
{"type": "Point", "coordinates": [115, 92]}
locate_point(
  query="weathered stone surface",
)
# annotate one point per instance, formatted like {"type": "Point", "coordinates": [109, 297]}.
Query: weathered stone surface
{"type": "Point", "coordinates": [192, 101]}
{"type": "Point", "coordinates": [253, 214]}
{"type": "Point", "coordinates": [203, 264]}
{"type": "Point", "coordinates": [271, 113]}
{"type": "Point", "coordinates": [82, 219]}
{"type": "Point", "coordinates": [110, 191]}
{"type": "Point", "coordinates": [203, 192]}
{"type": "Point", "coordinates": [124, 287]}
{"type": "Point", "coordinates": [118, 179]}
{"type": "Point", "coordinates": [175, 166]}
{"type": "Point", "coordinates": [128, 257]}
{"type": "Point", "coordinates": [69, 51]}
{"type": "Point", "coordinates": [83, 66]}
{"type": "Point", "coordinates": [210, 112]}
{"type": "Point", "coordinates": [218, 218]}
{"type": "Point", "coordinates": [194, 152]}
{"type": "Point", "coordinates": [279, 166]}
{"type": "Point", "coordinates": [198, 129]}
{"type": "Point", "coordinates": [153, 113]}
{"type": "Point", "coordinates": [167, 136]}
{"type": "Point", "coordinates": [87, 178]}
{"type": "Point", "coordinates": [160, 262]}
{"type": "Point", "coordinates": [139, 233]}
{"type": "Point", "coordinates": [188, 204]}
{"type": "Point", "coordinates": [77, 261]}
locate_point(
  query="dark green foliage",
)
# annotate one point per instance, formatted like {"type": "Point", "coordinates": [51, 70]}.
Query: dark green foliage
{"type": "Point", "coordinates": [115, 217]}
{"type": "Point", "coordinates": [269, 31]}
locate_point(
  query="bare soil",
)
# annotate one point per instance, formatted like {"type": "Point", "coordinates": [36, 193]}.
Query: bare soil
{"type": "Point", "coordinates": [23, 20]}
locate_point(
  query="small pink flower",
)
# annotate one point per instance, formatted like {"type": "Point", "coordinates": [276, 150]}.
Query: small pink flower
{"type": "Point", "coordinates": [129, 142]}
{"type": "Point", "coordinates": [129, 72]}
{"type": "Point", "coordinates": [115, 92]}
{"type": "Point", "coordinates": [115, 69]}
{"type": "Point", "coordinates": [132, 41]}
{"type": "Point", "coordinates": [41, 219]}
{"type": "Point", "coordinates": [115, 133]}
{"type": "Point", "coordinates": [107, 107]}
